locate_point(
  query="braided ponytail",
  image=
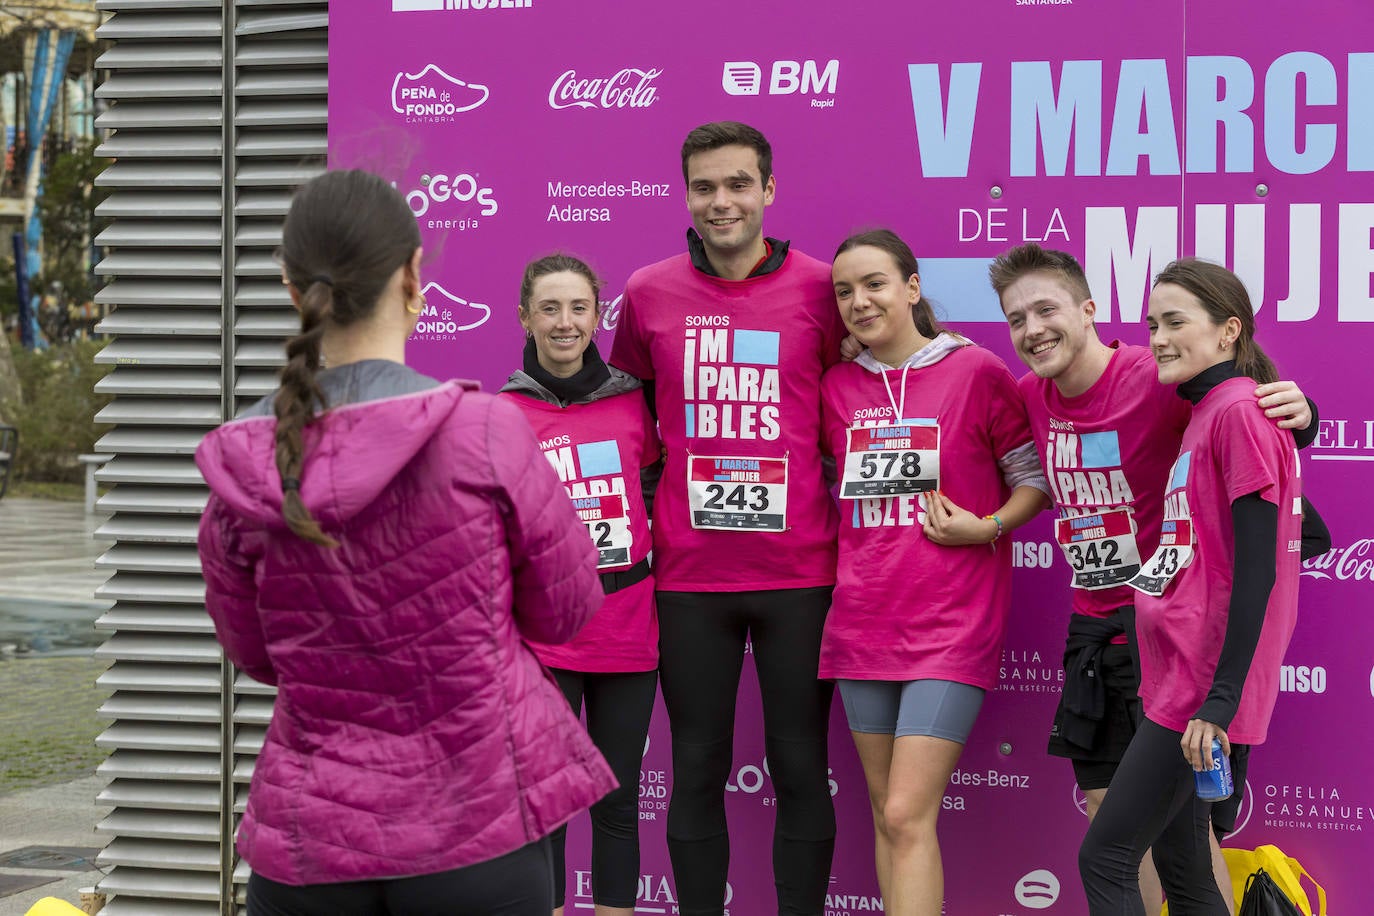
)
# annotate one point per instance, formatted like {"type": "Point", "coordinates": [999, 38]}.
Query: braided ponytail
{"type": "Point", "coordinates": [295, 404]}
{"type": "Point", "coordinates": [345, 236]}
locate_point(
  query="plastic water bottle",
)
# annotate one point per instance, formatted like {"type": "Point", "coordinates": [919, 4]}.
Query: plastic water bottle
{"type": "Point", "coordinates": [1215, 783]}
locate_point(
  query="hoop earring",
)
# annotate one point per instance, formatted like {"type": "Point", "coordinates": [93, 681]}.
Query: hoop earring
{"type": "Point", "coordinates": [418, 310]}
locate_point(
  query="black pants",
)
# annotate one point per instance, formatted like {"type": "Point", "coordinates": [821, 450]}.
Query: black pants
{"type": "Point", "coordinates": [1151, 803]}
{"type": "Point", "coordinates": [618, 710]}
{"type": "Point", "coordinates": [701, 650]}
{"type": "Point", "coordinates": [516, 884]}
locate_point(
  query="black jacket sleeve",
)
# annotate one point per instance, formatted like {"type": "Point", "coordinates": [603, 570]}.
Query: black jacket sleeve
{"type": "Point", "coordinates": [1255, 524]}
{"type": "Point", "coordinates": [1316, 539]}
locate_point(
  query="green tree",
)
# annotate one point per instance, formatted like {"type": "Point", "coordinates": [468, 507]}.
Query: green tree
{"type": "Point", "coordinates": [67, 211]}
{"type": "Point", "coordinates": [55, 409]}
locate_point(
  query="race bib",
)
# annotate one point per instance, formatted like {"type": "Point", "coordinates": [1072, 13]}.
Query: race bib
{"type": "Point", "coordinates": [609, 525]}
{"type": "Point", "coordinates": [1175, 553]}
{"type": "Point", "coordinates": [896, 460]}
{"type": "Point", "coordinates": [1100, 548]}
{"type": "Point", "coordinates": [737, 494]}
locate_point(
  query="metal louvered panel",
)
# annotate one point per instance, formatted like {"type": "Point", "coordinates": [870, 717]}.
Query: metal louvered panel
{"type": "Point", "coordinates": [163, 274]}
{"type": "Point", "coordinates": [216, 112]}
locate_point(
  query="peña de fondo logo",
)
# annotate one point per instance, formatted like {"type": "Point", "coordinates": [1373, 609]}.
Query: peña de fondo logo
{"type": "Point", "coordinates": [433, 95]}
{"type": "Point", "coordinates": [629, 87]}
{"type": "Point", "coordinates": [445, 314]}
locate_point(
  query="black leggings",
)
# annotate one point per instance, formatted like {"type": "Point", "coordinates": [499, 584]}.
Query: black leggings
{"type": "Point", "coordinates": [516, 884]}
{"type": "Point", "coordinates": [618, 710]}
{"type": "Point", "coordinates": [701, 650]}
{"type": "Point", "coordinates": [1151, 804]}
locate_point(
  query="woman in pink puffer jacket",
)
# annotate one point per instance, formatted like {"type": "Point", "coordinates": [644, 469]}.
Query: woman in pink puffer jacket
{"type": "Point", "coordinates": [382, 562]}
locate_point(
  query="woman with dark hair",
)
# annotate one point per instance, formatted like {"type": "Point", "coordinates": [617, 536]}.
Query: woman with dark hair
{"type": "Point", "coordinates": [378, 546]}
{"type": "Point", "coordinates": [937, 465]}
{"type": "Point", "coordinates": [596, 430]}
{"type": "Point", "coordinates": [1219, 596]}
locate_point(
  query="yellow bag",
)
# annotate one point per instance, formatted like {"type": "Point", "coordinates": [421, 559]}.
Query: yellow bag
{"type": "Point", "coordinates": [1286, 871]}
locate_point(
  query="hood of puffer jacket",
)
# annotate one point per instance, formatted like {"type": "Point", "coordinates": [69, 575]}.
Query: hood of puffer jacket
{"type": "Point", "coordinates": [352, 453]}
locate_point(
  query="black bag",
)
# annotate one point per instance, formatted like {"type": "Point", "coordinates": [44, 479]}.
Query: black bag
{"type": "Point", "coordinates": [1264, 898]}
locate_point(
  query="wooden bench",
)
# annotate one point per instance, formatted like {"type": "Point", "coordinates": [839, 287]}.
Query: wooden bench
{"type": "Point", "coordinates": [92, 463]}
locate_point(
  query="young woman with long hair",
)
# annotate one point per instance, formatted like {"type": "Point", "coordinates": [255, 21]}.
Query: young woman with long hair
{"type": "Point", "coordinates": [379, 547]}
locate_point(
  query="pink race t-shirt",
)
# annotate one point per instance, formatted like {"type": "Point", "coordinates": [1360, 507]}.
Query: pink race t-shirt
{"type": "Point", "coordinates": [1230, 449]}
{"type": "Point", "coordinates": [736, 368]}
{"type": "Point", "coordinates": [904, 607]}
{"type": "Point", "coordinates": [597, 450]}
{"type": "Point", "coordinates": [1107, 454]}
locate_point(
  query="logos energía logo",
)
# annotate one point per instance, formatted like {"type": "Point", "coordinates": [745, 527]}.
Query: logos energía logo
{"type": "Point", "coordinates": [433, 95]}
{"type": "Point", "coordinates": [751, 780]}
{"type": "Point", "coordinates": [630, 87]}
{"type": "Point", "coordinates": [440, 189]}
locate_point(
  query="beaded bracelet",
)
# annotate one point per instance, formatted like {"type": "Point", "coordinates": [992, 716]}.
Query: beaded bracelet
{"type": "Point", "coordinates": [998, 520]}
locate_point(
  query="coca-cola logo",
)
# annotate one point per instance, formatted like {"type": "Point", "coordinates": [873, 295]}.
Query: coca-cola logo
{"type": "Point", "coordinates": [610, 318]}
{"type": "Point", "coordinates": [1354, 563]}
{"type": "Point", "coordinates": [630, 88]}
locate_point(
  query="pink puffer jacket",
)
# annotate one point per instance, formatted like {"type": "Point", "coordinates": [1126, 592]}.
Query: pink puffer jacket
{"type": "Point", "coordinates": [414, 731]}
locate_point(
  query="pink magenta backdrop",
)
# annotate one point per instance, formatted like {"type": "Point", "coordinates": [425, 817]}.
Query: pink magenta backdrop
{"type": "Point", "coordinates": [517, 128]}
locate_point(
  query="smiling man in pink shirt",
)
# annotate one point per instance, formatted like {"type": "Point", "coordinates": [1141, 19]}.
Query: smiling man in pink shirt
{"type": "Point", "coordinates": [731, 338]}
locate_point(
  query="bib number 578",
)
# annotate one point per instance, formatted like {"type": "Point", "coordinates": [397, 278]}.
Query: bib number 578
{"type": "Point", "coordinates": [910, 464]}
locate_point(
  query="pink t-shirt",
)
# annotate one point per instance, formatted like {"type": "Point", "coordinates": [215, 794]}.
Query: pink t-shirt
{"type": "Point", "coordinates": [1229, 449]}
{"type": "Point", "coordinates": [1109, 448]}
{"type": "Point", "coordinates": [597, 450]}
{"type": "Point", "coordinates": [736, 368]}
{"type": "Point", "coordinates": [906, 608]}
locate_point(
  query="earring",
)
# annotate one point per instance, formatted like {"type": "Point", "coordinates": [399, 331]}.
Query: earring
{"type": "Point", "coordinates": [529, 335]}
{"type": "Point", "coordinates": [419, 309]}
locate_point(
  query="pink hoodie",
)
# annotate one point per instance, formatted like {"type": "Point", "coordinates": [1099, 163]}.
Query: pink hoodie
{"type": "Point", "coordinates": [414, 731]}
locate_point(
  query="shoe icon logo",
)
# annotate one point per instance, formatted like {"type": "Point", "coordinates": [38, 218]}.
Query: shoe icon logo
{"type": "Point", "coordinates": [440, 95]}
{"type": "Point", "coordinates": [741, 77]}
{"type": "Point", "coordinates": [462, 314]}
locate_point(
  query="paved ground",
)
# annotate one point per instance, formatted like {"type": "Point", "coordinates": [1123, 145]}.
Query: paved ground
{"type": "Point", "coordinates": [48, 550]}
{"type": "Point", "coordinates": [48, 701]}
